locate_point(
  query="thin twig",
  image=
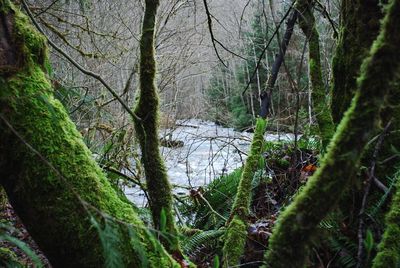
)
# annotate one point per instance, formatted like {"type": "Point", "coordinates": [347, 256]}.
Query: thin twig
{"type": "Point", "coordinates": [266, 47]}
{"type": "Point", "coordinates": [211, 208]}
{"type": "Point", "coordinates": [380, 185]}
{"type": "Point", "coordinates": [326, 15]}
{"type": "Point", "coordinates": [46, 9]}
{"type": "Point", "coordinates": [77, 65]}
{"type": "Point", "coordinates": [241, 16]}
{"type": "Point", "coordinates": [209, 21]}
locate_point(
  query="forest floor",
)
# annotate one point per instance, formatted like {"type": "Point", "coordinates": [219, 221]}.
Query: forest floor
{"type": "Point", "coordinates": [9, 251]}
{"type": "Point", "coordinates": [285, 172]}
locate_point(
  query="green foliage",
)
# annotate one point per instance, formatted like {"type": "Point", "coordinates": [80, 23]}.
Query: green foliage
{"type": "Point", "coordinates": [200, 239]}
{"type": "Point", "coordinates": [389, 247]}
{"type": "Point", "coordinates": [241, 116]}
{"type": "Point", "coordinates": [7, 257]}
{"type": "Point", "coordinates": [345, 250]}
{"type": "Point", "coordinates": [375, 210]}
{"type": "Point", "coordinates": [79, 102]}
{"type": "Point", "coordinates": [369, 242]}
{"type": "Point", "coordinates": [220, 194]}
{"type": "Point", "coordinates": [216, 263]}
{"type": "Point", "coordinates": [163, 220]}
{"type": "Point", "coordinates": [110, 238]}
{"type": "Point", "coordinates": [312, 143]}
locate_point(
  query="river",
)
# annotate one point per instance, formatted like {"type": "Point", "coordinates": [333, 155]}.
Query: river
{"type": "Point", "coordinates": [208, 151]}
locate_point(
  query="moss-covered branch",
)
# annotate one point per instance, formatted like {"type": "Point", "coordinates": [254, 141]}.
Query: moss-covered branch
{"type": "Point", "coordinates": [147, 108]}
{"type": "Point", "coordinates": [236, 233]}
{"type": "Point", "coordinates": [389, 248]}
{"type": "Point", "coordinates": [298, 222]}
{"type": "Point", "coordinates": [318, 93]}
{"type": "Point", "coordinates": [46, 169]}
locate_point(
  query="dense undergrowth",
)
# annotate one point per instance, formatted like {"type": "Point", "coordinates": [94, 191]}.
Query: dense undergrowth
{"type": "Point", "coordinates": [283, 170]}
{"type": "Point", "coordinates": [203, 213]}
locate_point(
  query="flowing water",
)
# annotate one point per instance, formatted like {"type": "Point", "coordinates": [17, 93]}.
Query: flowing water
{"type": "Point", "coordinates": [208, 151]}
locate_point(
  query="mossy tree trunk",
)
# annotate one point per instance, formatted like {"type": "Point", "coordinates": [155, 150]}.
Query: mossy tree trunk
{"type": "Point", "coordinates": [320, 102]}
{"type": "Point", "coordinates": [389, 248]}
{"type": "Point", "coordinates": [147, 108]}
{"type": "Point", "coordinates": [359, 27]}
{"type": "Point", "coordinates": [46, 169]}
{"type": "Point", "coordinates": [298, 222]}
{"type": "Point", "coordinates": [236, 233]}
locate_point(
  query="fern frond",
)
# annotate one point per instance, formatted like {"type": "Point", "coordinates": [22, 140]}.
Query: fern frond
{"type": "Point", "coordinates": [376, 207]}
{"type": "Point", "coordinates": [110, 238]}
{"type": "Point", "coordinates": [346, 250]}
{"type": "Point", "coordinates": [200, 239]}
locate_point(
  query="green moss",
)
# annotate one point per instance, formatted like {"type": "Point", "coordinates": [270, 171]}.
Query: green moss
{"type": "Point", "coordinates": [318, 93]}
{"type": "Point", "coordinates": [46, 172]}
{"type": "Point", "coordinates": [33, 45]}
{"type": "Point", "coordinates": [236, 231]}
{"type": "Point", "coordinates": [147, 108]}
{"type": "Point", "coordinates": [9, 258]}
{"type": "Point", "coordinates": [389, 248]}
{"type": "Point", "coordinates": [297, 224]}
{"type": "Point", "coordinates": [235, 240]}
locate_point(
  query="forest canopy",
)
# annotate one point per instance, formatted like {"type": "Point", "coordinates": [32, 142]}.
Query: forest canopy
{"type": "Point", "coordinates": [207, 133]}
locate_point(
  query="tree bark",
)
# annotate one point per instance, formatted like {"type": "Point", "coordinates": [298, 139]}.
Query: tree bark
{"type": "Point", "coordinates": [147, 108]}
{"type": "Point", "coordinates": [46, 169]}
{"type": "Point", "coordinates": [359, 22]}
{"type": "Point", "coordinates": [318, 93]}
{"type": "Point", "coordinates": [298, 222]}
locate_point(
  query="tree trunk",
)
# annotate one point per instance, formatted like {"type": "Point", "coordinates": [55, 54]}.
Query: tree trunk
{"type": "Point", "coordinates": [236, 233]}
{"type": "Point", "coordinates": [147, 108]}
{"type": "Point", "coordinates": [298, 222]}
{"type": "Point", "coordinates": [47, 171]}
{"type": "Point", "coordinates": [265, 96]}
{"type": "Point", "coordinates": [318, 93]}
{"type": "Point", "coordinates": [359, 28]}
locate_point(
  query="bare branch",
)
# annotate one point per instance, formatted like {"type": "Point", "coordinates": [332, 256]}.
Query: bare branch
{"type": "Point", "coordinates": [266, 47]}
{"type": "Point", "coordinates": [77, 65]}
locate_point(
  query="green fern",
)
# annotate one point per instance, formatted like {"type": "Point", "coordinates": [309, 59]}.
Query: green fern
{"type": "Point", "coordinates": [346, 251]}
{"type": "Point", "coordinates": [109, 237]}
{"type": "Point", "coordinates": [141, 253]}
{"type": "Point", "coordinates": [374, 209]}
{"type": "Point", "coordinates": [4, 236]}
{"type": "Point", "coordinates": [220, 194]}
{"type": "Point", "coordinates": [206, 238]}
